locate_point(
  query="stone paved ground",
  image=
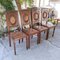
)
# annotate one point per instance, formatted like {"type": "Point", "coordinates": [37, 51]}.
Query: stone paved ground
{"type": "Point", "coordinates": [46, 50]}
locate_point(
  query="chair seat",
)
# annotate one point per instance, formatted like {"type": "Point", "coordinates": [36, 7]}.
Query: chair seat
{"type": "Point", "coordinates": [49, 26]}
{"type": "Point", "coordinates": [18, 35]}
{"type": "Point", "coordinates": [40, 28]}
{"type": "Point", "coordinates": [31, 31]}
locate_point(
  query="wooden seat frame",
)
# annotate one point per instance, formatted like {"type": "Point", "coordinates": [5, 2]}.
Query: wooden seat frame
{"type": "Point", "coordinates": [26, 20]}
{"type": "Point", "coordinates": [36, 20]}
{"type": "Point", "coordinates": [46, 19]}
{"type": "Point", "coordinates": [16, 35]}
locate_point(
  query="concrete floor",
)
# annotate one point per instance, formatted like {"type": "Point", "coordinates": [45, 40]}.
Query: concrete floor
{"type": "Point", "coordinates": [46, 50]}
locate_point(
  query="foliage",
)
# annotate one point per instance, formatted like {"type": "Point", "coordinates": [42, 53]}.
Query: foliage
{"type": "Point", "coordinates": [2, 23]}
{"type": "Point", "coordinates": [21, 1]}
{"type": "Point", "coordinates": [52, 21]}
{"type": "Point", "coordinates": [7, 4]}
{"type": "Point", "coordinates": [29, 2]}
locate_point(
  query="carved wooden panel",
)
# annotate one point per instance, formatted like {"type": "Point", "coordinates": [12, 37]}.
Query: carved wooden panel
{"type": "Point", "coordinates": [44, 14]}
{"type": "Point", "coordinates": [12, 19]}
{"type": "Point", "coordinates": [26, 17]}
{"type": "Point", "coordinates": [35, 15]}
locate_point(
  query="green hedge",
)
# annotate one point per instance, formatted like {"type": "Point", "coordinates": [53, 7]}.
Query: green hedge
{"type": "Point", "coordinates": [7, 4]}
{"type": "Point", "coordinates": [52, 20]}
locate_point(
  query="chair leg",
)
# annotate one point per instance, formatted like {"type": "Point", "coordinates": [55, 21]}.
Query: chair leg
{"type": "Point", "coordinates": [53, 32]}
{"type": "Point", "coordinates": [27, 42]}
{"type": "Point", "coordinates": [14, 47]}
{"type": "Point", "coordinates": [22, 39]}
{"type": "Point", "coordinates": [47, 35]}
{"type": "Point", "coordinates": [31, 36]}
{"type": "Point", "coordinates": [44, 32]}
{"type": "Point", "coordinates": [9, 40]}
{"type": "Point", "coordinates": [19, 41]}
{"type": "Point", "coordinates": [38, 38]}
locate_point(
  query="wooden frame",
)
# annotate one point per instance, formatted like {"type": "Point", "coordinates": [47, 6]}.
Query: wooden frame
{"type": "Point", "coordinates": [9, 14]}
{"type": "Point", "coordinates": [44, 11]}
{"type": "Point", "coordinates": [37, 23]}
{"type": "Point", "coordinates": [30, 31]}
{"type": "Point", "coordinates": [46, 25]}
{"type": "Point", "coordinates": [16, 35]}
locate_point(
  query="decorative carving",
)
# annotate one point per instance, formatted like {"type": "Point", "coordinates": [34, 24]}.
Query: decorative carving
{"type": "Point", "coordinates": [12, 20]}
{"type": "Point", "coordinates": [36, 16]}
{"type": "Point", "coordinates": [44, 15]}
{"type": "Point", "coordinates": [26, 18]}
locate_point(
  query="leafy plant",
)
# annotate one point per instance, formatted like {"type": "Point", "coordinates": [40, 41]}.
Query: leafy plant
{"type": "Point", "coordinates": [29, 2]}
{"type": "Point", "coordinates": [7, 4]}
{"type": "Point", "coordinates": [2, 21]}
{"type": "Point", "coordinates": [21, 1]}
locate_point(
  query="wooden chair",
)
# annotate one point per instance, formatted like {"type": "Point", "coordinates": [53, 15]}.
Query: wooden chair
{"type": "Point", "coordinates": [36, 23]}
{"type": "Point", "coordinates": [44, 19]}
{"type": "Point", "coordinates": [12, 22]}
{"type": "Point", "coordinates": [26, 25]}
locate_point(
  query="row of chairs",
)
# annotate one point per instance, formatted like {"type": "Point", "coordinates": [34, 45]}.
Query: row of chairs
{"type": "Point", "coordinates": [30, 25]}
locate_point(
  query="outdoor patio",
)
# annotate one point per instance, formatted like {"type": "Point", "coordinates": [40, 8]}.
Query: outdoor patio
{"type": "Point", "coordinates": [46, 50]}
{"type": "Point", "coordinates": [29, 30]}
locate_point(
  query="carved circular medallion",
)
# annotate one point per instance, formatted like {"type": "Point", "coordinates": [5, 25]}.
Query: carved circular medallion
{"type": "Point", "coordinates": [44, 15]}
{"type": "Point", "coordinates": [26, 18]}
{"type": "Point", "coordinates": [36, 16]}
{"type": "Point", "coordinates": [12, 20]}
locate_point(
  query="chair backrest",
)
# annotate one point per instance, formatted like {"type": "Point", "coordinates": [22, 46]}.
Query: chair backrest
{"type": "Point", "coordinates": [26, 18]}
{"type": "Point", "coordinates": [35, 15]}
{"type": "Point", "coordinates": [12, 20]}
{"type": "Point", "coordinates": [44, 14]}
